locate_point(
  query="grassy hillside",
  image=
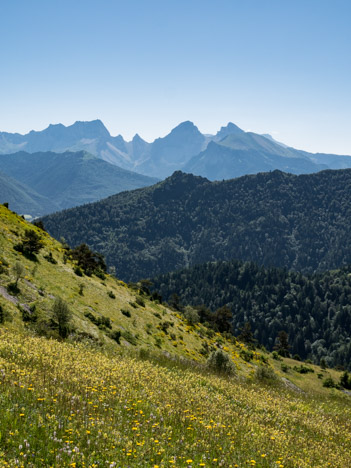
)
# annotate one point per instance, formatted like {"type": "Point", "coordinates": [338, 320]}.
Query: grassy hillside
{"type": "Point", "coordinates": [149, 401]}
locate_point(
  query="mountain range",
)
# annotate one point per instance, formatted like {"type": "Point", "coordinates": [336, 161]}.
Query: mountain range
{"type": "Point", "coordinates": [274, 219]}
{"type": "Point", "coordinates": [45, 182]}
{"type": "Point", "coordinates": [230, 153]}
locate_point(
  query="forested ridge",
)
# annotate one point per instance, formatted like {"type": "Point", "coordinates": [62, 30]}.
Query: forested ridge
{"type": "Point", "coordinates": [314, 310]}
{"type": "Point", "coordinates": [274, 219]}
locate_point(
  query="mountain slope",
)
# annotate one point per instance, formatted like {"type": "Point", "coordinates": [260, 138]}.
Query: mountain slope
{"type": "Point", "coordinates": [243, 153]}
{"type": "Point", "coordinates": [314, 311]}
{"type": "Point", "coordinates": [24, 199]}
{"type": "Point", "coordinates": [298, 222]}
{"type": "Point", "coordinates": [151, 400]}
{"type": "Point", "coordinates": [70, 179]}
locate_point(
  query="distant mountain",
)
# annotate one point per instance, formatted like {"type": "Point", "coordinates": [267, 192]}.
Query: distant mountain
{"type": "Point", "coordinates": [92, 137]}
{"type": "Point", "coordinates": [229, 129]}
{"type": "Point", "coordinates": [23, 199]}
{"type": "Point", "coordinates": [241, 153]}
{"type": "Point", "coordinates": [70, 179]}
{"type": "Point", "coordinates": [173, 151]}
{"type": "Point", "coordinates": [275, 219]}
{"type": "Point", "coordinates": [184, 148]}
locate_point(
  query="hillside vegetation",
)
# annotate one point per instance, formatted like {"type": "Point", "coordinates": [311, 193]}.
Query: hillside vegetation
{"type": "Point", "coordinates": [153, 399]}
{"type": "Point", "coordinates": [315, 310]}
{"type": "Point", "coordinates": [273, 219]}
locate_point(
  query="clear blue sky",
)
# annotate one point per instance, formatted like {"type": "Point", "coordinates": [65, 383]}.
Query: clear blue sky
{"type": "Point", "coordinates": [272, 66]}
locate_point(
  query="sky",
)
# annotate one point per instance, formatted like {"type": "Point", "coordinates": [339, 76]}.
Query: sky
{"type": "Point", "coordinates": [270, 66]}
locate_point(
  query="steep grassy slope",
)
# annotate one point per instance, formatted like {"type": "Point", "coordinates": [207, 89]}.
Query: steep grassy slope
{"type": "Point", "coordinates": [88, 401]}
{"type": "Point", "coordinates": [275, 219]}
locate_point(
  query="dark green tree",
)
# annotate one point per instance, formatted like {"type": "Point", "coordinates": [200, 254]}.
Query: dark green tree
{"type": "Point", "coordinates": [282, 344]}
{"type": "Point", "coordinates": [62, 316]}
{"type": "Point", "coordinates": [31, 244]}
{"type": "Point", "coordinates": [90, 262]}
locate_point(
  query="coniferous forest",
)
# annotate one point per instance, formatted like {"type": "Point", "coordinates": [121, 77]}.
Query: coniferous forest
{"type": "Point", "coordinates": [273, 219]}
{"type": "Point", "coordinates": [313, 310]}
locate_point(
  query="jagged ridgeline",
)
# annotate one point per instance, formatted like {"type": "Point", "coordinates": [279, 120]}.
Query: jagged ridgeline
{"type": "Point", "coordinates": [274, 219]}
{"type": "Point", "coordinates": [315, 310]}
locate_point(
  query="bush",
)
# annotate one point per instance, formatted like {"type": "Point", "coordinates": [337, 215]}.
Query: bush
{"type": "Point", "coordinates": [285, 368]}
{"type": "Point", "coordinates": [62, 316]}
{"type": "Point", "coordinates": [50, 258]}
{"type": "Point", "coordinates": [345, 380]}
{"type": "Point", "coordinates": [116, 336]}
{"type": "Point", "coordinates": [276, 356]}
{"type": "Point", "coordinates": [78, 271]}
{"type": "Point", "coordinates": [265, 374]}
{"type": "Point", "coordinates": [140, 302]}
{"type": "Point", "coordinates": [30, 245]}
{"type": "Point", "coordinates": [127, 335]}
{"type": "Point", "coordinates": [246, 355]}
{"type": "Point", "coordinates": [191, 315]}
{"type": "Point", "coordinates": [4, 315]}
{"type": "Point", "coordinates": [111, 295]}
{"type": "Point", "coordinates": [303, 369]}
{"type": "Point", "coordinates": [329, 383]}
{"type": "Point", "coordinates": [12, 288]}
{"type": "Point", "coordinates": [101, 322]}
{"type": "Point", "coordinates": [126, 313]}
{"type": "Point", "coordinates": [30, 315]}
{"type": "Point", "coordinates": [90, 262]}
{"type": "Point", "coordinates": [220, 362]}
{"type": "Point", "coordinates": [296, 357]}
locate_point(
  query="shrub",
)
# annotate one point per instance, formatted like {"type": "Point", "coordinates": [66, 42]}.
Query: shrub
{"type": "Point", "coordinates": [4, 315]}
{"type": "Point", "coordinates": [90, 262]}
{"type": "Point", "coordinates": [276, 356]}
{"type": "Point", "coordinates": [127, 335]}
{"type": "Point", "coordinates": [158, 342]}
{"type": "Point", "coordinates": [126, 313]}
{"type": "Point", "coordinates": [30, 315]}
{"type": "Point", "coordinates": [246, 355]}
{"type": "Point", "coordinates": [50, 258]}
{"type": "Point", "coordinates": [296, 357]}
{"type": "Point", "coordinates": [345, 380]}
{"type": "Point", "coordinates": [101, 322]}
{"type": "Point", "coordinates": [165, 326]}
{"type": "Point", "coordinates": [303, 369]}
{"type": "Point", "coordinates": [140, 302]}
{"type": "Point", "coordinates": [191, 315]}
{"type": "Point", "coordinates": [219, 361]}
{"type": "Point", "coordinates": [116, 336]}
{"type": "Point", "coordinates": [78, 271]}
{"type": "Point", "coordinates": [19, 271]}
{"type": "Point", "coordinates": [329, 383]}
{"type": "Point", "coordinates": [111, 295]}
{"type": "Point", "coordinates": [285, 368]}
{"type": "Point", "coordinates": [62, 315]}
{"type": "Point", "coordinates": [265, 374]}
{"type": "Point", "coordinates": [12, 288]}
{"type": "Point", "coordinates": [81, 289]}
{"type": "Point", "coordinates": [30, 245]}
